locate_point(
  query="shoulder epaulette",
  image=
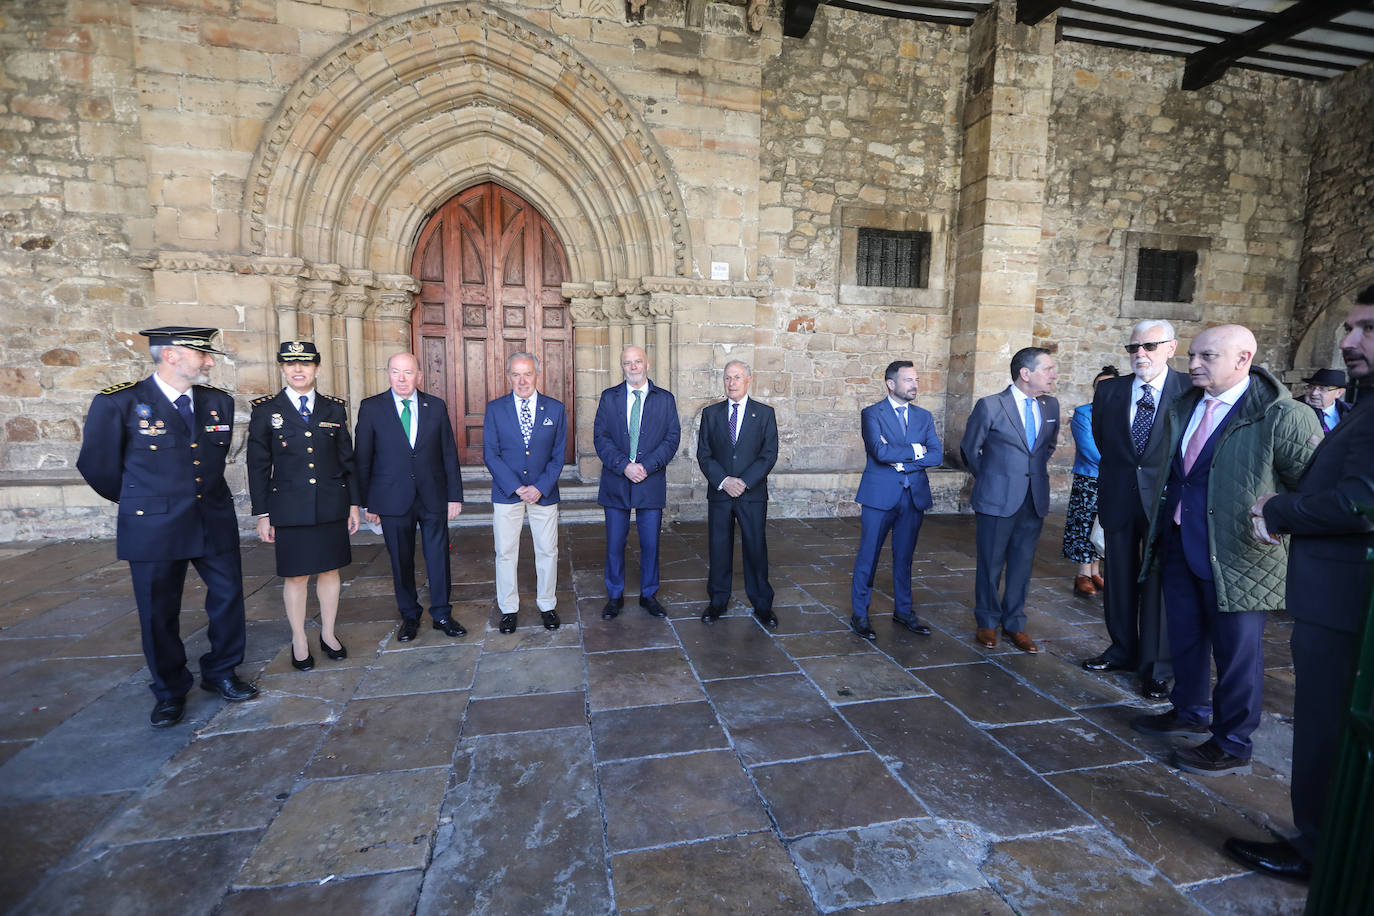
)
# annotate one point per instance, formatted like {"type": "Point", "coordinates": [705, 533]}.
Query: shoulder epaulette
{"type": "Point", "coordinates": [330, 397]}
{"type": "Point", "coordinates": [120, 387]}
{"type": "Point", "coordinates": [262, 400]}
{"type": "Point", "coordinates": [213, 388]}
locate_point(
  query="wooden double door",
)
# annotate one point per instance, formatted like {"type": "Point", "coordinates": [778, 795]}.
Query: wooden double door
{"type": "Point", "coordinates": [490, 270]}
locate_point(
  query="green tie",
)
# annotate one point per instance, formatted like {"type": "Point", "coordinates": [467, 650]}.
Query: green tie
{"type": "Point", "coordinates": [405, 417]}
{"type": "Point", "coordinates": [634, 427]}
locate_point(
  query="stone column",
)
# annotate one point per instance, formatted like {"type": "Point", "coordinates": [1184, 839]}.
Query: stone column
{"type": "Point", "coordinates": [591, 374]}
{"type": "Point", "coordinates": [390, 313]}
{"type": "Point", "coordinates": [661, 309]}
{"type": "Point", "coordinates": [1006, 140]}
{"type": "Point", "coordinates": [637, 307]}
{"type": "Point", "coordinates": [318, 300]}
{"type": "Point", "coordinates": [613, 307]}
{"type": "Point", "coordinates": [286, 294]}
{"type": "Point", "coordinates": [355, 302]}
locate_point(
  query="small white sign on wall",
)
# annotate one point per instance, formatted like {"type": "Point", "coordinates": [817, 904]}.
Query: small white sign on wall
{"type": "Point", "coordinates": [720, 270]}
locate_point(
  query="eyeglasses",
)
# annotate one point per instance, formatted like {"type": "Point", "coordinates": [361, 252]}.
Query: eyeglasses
{"type": "Point", "coordinates": [1150, 346]}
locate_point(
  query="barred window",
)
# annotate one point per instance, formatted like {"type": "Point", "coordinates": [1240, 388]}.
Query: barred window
{"type": "Point", "coordinates": [887, 257]}
{"type": "Point", "coordinates": [1165, 276]}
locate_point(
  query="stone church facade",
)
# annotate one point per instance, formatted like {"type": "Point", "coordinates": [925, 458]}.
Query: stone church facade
{"type": "Point", "coordinates": [569, 176]}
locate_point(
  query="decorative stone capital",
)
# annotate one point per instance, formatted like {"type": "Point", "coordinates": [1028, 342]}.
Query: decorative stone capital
{"type": "Point", "coordinates": [391, 304]}
{"type": "Point", "coordinates": [585, 310]}
{"type": "Point", "coordinates": [662, 307]}
{"type": "Point", "coordinates": [286, 293]}
{"type": "Point", "coordinates": [614, 308]}
{"type": "Point", "coordinates": [637, 306]}
{"type": "Point", "coordinates": [404, 283]}
{"type": "Point", "coordinates": [353, 302]}
{"type": "Point", "coordinates": [318, 297]}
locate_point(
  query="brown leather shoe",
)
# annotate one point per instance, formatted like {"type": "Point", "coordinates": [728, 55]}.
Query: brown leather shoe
{"type": "Point", "coordinates": [1021, 641]}
{"type": "Point", "coordinates": [1083, 586]}
{"type": "Point", "coordinates": [986, 638]}
{"type": "Point", "coordinates": [1099, 581]}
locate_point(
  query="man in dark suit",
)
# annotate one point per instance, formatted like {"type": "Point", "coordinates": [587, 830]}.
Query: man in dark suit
{"type": "Point", "coordinates": [158, 449]}
{"type": "Point", "coordinates": [636, 433]}
{"type": "Point", "coordinates": [408, 475]}
{"type": "Point", "coordinates": [900, 442]}
{"type": "Point", "coordinates": [1007, 446]}
{"type": "Point", "coordinates": [737, 445]}
{"type": "Point", "coordinates": [524, 438]}
{"type": "Point", "coordinates": [1327, 590]}
{"type": "Point", "coordinates": [1131, 444]}
{"type": "Point", "coordinates": [1236, 435]}
{"type": "Point", "coordinates": [1326, 395]}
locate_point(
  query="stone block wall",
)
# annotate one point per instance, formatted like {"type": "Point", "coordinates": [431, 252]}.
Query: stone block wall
{"type": "Point", "coordinates": [1130, 153]}
{"type": "Point", "coordinates": [860, 118]}
{"type": "Point", "coordinates": [1338, 249]}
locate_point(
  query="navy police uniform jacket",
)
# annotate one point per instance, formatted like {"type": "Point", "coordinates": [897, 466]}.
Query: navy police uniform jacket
{"type": "Point", "coordinates": [301, 473]}
{"type": "Point", "coordinates": [173, 501]}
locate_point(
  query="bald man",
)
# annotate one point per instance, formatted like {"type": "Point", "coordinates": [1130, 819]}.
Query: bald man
{"type": "Point", "coordinates": [1235, 436]}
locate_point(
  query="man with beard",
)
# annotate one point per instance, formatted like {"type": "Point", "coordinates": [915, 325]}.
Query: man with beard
{"type": "Point", "coordinates": [158, 448]}
{"type": "Point", "coordinates": [1327, 590]}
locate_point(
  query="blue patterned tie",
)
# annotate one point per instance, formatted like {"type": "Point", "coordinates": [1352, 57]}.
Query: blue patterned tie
{"type": "Point", "coordinates": [183, 406]}
{"type": "Point", "coordinates": [734, 423]}
{"type": "Point", "coordinates": [1144, 419]}
{"type": "Point", "coordinates": [1030, 424]}
{"type": "Point", "coordinates": [526, 421]}
{"type": "Point", "coordinates": [305, 408]}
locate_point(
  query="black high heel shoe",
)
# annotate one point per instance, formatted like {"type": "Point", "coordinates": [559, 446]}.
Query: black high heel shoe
{"type": "Point", "coordinates": [335, 654]}
{"type": "Point", "coordinates": [302, 664]}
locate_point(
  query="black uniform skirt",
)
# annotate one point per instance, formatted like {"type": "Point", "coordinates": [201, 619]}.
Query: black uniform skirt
{"type": "Point", "coordinates": [304, 550]}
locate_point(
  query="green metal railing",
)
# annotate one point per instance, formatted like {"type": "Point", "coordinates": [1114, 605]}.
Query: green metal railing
{"type": "Point", "coordinates": [1343, 875]}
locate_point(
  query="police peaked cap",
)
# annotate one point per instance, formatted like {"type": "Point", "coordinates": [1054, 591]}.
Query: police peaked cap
{"type": "Point", "coordinates": [202, 339]}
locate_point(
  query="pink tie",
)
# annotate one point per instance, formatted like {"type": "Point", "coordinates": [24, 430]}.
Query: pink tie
{"type": "Point", "coordinates": [1195, 444]}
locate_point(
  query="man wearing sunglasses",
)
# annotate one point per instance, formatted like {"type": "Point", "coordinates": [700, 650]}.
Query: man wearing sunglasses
{"type": "Point", "coordinates": [1131, 444]}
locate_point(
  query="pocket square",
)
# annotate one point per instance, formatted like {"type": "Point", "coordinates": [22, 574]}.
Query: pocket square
{"type": "Point", "coordinates": [548, 422]}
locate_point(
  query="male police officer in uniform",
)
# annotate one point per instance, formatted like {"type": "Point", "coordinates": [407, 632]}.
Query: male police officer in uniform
{"type": "Point", "coordinates": [158, 448]}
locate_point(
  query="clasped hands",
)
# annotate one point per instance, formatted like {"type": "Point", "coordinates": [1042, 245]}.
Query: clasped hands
{"type": "Point", "coordinates": [635, 473]}
{"type": "Point", "coordinates": [1258, 529]}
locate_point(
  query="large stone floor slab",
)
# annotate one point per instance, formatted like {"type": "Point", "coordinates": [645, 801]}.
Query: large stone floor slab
{"type": "Point", "coordinates": [636, 765]}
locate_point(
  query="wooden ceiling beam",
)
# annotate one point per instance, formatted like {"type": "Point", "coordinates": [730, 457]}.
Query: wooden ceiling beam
{"type": "Point", "coordinates": [1031, 12]}
{"type": "Point", "coordinates": [1208, 65]}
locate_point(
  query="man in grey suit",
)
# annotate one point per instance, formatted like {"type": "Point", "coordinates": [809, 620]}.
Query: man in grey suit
{"type": "Point", "coordinates": [1132, 447]}
{"type": "Point", "coordinates": [1007, 446]}
{"type": "Point", "coordinates": [1326, 590]}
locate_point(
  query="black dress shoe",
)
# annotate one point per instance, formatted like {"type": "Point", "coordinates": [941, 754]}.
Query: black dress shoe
{"type": "Point", "coordinates": [1154, 689]}
{"type": "Point", "coordinates": [335, 654]}
{"type": "Point", "coordinates": [612, 608]}
{"type": "Point", "coordinates": [232, 688]}
{"type": "Point", "coordinates": [168, 712]}
{"type": "Point", "coordinates": [911, 623]}
{"type": "Point", "coordinates": [507, 623]}
{"type": "Point", "coordinates": [1101, 663]}
{"type": "Point", "coordinates": [450, 627]}
{"type": "Point", "coordinates": [1280, 858]}
{"type": "Point", "coordinates": [712, 613]}
{"type": "Point", "coordinates": [550, 618]}
{"type": "Point", "coordinates": [767, 617]}
{"type": "Point", "coordinates": [409, 627]}
{"type": "Point", "coordinates": [860, 626]}
{"type": "Point", "coordinates": [302, 664]}
{"type": "Point", "coordinates": [650, 604]}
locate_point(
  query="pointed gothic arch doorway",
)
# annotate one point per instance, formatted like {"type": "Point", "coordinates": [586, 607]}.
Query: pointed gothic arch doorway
{"type": "Point", "coordinates": [491, 270]}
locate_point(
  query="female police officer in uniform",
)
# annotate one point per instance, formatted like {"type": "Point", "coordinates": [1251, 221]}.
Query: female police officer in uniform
{"type": "Point", "coordinates": [304, 492]}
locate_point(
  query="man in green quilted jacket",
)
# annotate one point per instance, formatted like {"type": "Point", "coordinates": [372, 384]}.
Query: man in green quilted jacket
{"type": "Point", "coordinates": [1237, 435]}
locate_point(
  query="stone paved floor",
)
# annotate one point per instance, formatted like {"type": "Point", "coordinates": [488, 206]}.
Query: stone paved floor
{"type": "Point", "coordinates": [633, 766]}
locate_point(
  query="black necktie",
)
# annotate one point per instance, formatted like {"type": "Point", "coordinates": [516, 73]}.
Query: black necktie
{"type": "Point", "coordinates": [183, 405]}
{"type": "Point", "coordinates": [734, 423]}
{"type": "Point", "coordinates": [1144, 419]}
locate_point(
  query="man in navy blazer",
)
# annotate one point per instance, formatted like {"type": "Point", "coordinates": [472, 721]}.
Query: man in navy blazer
{"type": "Point", "coordinates": [524, 437]}
{"type": "Point", "coordinates": [900, 442]}
{"type": "Point", "coordinates": [1326, 593]}
{"type": "Point", "coordinates": [1126, 430]}
{"type": "Point", "coordinates": [157, 447]}
{"type": "Point", "coordinates": [408, 474]}
{"type": "Point", "coordinates": [737, 445]}
{"type": "Point", "coordinates": [636, 433]}
{"type": "Point", "coordinates": [1007, 446]}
